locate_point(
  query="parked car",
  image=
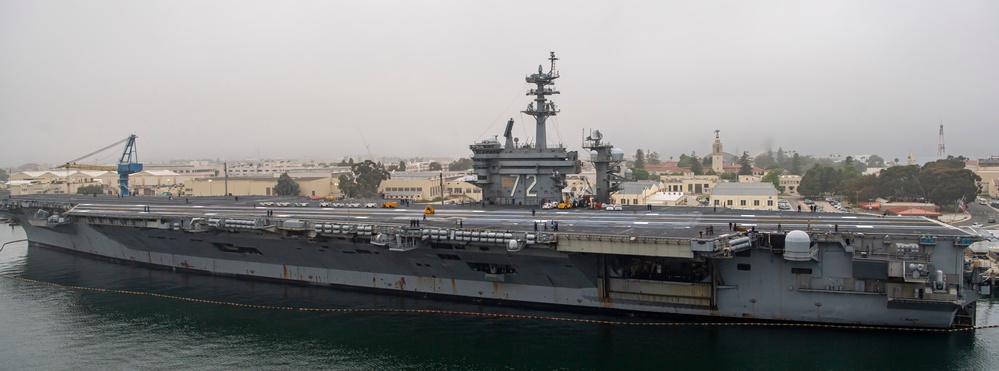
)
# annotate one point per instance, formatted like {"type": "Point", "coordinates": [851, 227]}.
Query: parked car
{"type": "Point", "coordinates": [992, 219]}
{"type": "Point", "coordinates": [977, 225]}
{"type": "Point", "coordinates": [808, 202]}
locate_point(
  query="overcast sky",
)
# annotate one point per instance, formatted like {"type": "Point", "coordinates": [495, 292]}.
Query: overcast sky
{"type": "Point", "coordinates": [320, 79]}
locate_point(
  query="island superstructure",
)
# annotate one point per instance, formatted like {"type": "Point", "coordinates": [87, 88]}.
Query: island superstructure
{"type": "Point", "coordinates": [523, 174]}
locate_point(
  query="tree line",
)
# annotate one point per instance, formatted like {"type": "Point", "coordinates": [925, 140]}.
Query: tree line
{"type": "Point", "coordinates": [942, 182]}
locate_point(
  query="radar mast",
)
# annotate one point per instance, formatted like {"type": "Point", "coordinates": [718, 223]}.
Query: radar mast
{"type": "Point", "coordinates": [542, 107]}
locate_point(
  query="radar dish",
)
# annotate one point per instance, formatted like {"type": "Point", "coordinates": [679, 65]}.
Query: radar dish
{"type": "Point", "coordinates": [596, 135]}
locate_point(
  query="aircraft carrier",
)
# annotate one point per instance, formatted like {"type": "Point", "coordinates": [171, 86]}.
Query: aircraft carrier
{"type": "Point", "coordinates": [856, 269]}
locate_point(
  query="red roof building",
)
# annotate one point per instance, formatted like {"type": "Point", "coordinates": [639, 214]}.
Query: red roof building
{"type": "Point", "coordinates": [911, 211]}
{"type": "Point", "coordinates": [669, 167]}
{"type": "Point", "coordinates": [869, 205]}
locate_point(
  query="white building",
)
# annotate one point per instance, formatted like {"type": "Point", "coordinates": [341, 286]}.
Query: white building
{"type": "Point", "coordinates": [754, 196]}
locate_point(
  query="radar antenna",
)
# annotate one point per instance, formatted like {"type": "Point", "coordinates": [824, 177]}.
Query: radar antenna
{"type": "Point", "coordinates": [553, 59]}
{"type": "Point", "coordinates": [542, 107]}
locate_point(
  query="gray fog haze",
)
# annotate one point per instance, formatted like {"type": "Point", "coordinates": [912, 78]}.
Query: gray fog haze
{"type": "Point", "coordinates": [319, 79]}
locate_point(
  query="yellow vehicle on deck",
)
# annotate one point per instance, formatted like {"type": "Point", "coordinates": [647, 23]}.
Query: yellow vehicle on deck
{"type": "Point", "coordinates": [429, 210]}
{"type": "Point", "coordinates": [390, 204]}
{"type": "Point", "coordinates": [565, 204]}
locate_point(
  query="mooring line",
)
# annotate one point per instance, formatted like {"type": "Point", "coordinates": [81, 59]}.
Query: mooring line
{"type": "Point", "coordinates": [10, 242]}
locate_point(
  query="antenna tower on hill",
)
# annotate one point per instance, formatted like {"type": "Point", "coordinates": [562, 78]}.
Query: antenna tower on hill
{"type": "Point", "coordinates": [940, 149]}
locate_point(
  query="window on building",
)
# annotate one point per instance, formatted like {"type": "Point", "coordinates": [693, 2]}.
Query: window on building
{"type": "Point", "coordinates": [729, 202]}
{"type": "Point", "coordinates": [742, 202]}
{"type": "Point", "coordinates": [770, 202]}
{"type": "Point", "coordinates": [756, 202]}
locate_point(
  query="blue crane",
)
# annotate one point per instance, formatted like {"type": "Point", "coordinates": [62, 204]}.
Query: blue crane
{"type": "Point", "coordinates": [127, 165]}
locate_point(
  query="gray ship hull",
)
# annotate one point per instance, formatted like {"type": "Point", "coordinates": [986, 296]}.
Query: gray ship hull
{"type": "Point", "coordinates": [754, 284]}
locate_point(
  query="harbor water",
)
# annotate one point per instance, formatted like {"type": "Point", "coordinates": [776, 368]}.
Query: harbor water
{"type": "Point", "coordinates": [60, 311]}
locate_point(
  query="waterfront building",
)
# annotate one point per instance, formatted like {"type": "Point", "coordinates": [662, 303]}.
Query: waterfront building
{"type": "Point", "coordinates": [691, 184]}
{"type": "Point", "coordinates": [988, 170]}
{"type": "Point", "coordinates": [426, 186]}
{"type": "Point", "coordinates": [755, 196]}
{"type": "Point", "coordinates": [636, 193]}
{"type": "Point", "coordinates": [259, 186]}
{"type": "Point", "coordinates": [462, 191]}
{"type": "Point", "coordinates": [789, 184]}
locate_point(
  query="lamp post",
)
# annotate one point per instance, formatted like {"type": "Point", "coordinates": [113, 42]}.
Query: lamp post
{"type": "Point", "coordinates": [211, 192]}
